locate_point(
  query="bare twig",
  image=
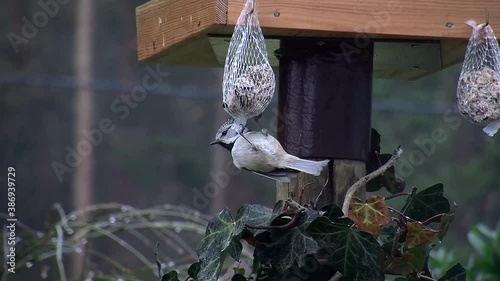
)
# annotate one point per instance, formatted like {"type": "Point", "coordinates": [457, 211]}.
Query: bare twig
{"type": "Point", "coordinates": [427, 221]}
{"type": "Point", "coordinates": [164, 221]}
{"type": "Point", "coordinates": [320, 194]}
{"type": "Point", "coordinates": [125, 245]}
{"type": "Point", "coordinates": [396, 195]}
{"type": "Point", "coordinates": [294, 205]}
{"type": "Point", "coordinates": [352, 190]}
{"type": "Point", "coordinates": [425, 277]}
{"type": "Point", "coordinates": [59, 252]}
{"type": "Point", "coordinates": [302, 191]}
{"type": "Point", "coordinates": [288, 225]}
{"type": "Point", "coordinates": [64, 218]}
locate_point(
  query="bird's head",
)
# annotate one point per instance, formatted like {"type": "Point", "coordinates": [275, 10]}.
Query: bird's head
{"type": "Point", "coordinates": [227, 134]}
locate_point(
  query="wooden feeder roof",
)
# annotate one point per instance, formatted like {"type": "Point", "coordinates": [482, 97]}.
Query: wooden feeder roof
{"type": "Point", "coordinates": [413, 38]}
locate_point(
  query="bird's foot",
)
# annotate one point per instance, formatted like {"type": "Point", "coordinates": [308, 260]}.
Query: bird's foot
{"type": "Point", "coordinates": [257, 118]}
{"type": "Point", "coordinates": [253, 146]}
{"type": "Point", "coordinates": [264, 132]}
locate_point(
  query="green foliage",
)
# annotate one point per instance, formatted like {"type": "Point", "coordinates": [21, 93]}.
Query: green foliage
{"type": "Point", "coordinates": [355, 254]}
{"type": "Point", "coordinates": [288, 241]}
{"type": "Point", "coordinates": [290, 244]}
{"type": "Point", "coordinates": [456, 273]}
{"type": "Point", "coordinates": [485, 263]}
{"type": "Point", "coordinates": [426, 203]}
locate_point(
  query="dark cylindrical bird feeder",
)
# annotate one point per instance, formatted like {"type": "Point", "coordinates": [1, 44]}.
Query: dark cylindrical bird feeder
{"type": "Point", "coordinates": [325, 98]}
{"type": "Point", "coordinates": [325, 101]}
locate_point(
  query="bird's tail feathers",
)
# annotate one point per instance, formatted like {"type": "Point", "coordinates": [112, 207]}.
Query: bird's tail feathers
{"type": "Point", "coordinates": [308, 166]}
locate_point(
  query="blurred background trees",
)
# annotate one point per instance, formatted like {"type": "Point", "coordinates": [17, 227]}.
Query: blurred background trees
{"type": "Point", "coordinates": [159, 153]}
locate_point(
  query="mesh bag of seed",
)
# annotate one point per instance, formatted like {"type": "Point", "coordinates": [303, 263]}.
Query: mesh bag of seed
{"type": "Point", "coordinates": [478, 90]}
{"type": "Point", "coordinates": [249, 81]}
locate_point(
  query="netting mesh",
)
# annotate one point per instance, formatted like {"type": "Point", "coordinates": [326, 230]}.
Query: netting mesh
{"type": "Point", "coordinates": [478, 90]}
{"type": "Point", "coordinates": [249, 81]}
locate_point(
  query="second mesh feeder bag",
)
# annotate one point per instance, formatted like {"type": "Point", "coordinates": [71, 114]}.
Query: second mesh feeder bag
{"type": "Point", "coordinates": [478, 90]}
{"type": "Point", "coordinates": [249, 81]}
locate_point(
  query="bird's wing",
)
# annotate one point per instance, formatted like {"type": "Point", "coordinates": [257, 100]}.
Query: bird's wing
{"type": "Point", "coordinates": [278, 175]}
{"type": "Point", "coordinates": [267, 146]}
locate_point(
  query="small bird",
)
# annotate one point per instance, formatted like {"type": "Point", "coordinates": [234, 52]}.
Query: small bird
{"type": "Point", "coordinates": [261, 153]}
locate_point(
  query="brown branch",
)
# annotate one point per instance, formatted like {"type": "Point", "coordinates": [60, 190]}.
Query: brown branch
{"type": "Point", "coordinates": [396, 195]}
{"type": "Point", "coordinates": [361, 182]}
{"type": "Point", "coordinates": [399, 213]}
{"type": "Point", "coordinates": [433, 217]}
{"type": "Point", "coordinates": [395, 242]}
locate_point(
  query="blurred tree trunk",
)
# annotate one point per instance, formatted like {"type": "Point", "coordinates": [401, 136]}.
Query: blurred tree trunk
{"type": "Point", "coordinates": [84, 109]}
{"type": "Point", "coordinates": [218, 158]}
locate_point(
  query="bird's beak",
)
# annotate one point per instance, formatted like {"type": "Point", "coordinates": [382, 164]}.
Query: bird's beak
{"type": "Point", "coordinates": [215, 142]}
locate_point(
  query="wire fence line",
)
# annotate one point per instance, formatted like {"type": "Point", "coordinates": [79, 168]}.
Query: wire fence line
{"type": "Point", "coordinates": [195, 91]}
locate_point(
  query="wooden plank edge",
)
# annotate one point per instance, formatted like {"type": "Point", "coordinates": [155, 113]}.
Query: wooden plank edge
{"type": "Point", "coordinates": [207, 22]}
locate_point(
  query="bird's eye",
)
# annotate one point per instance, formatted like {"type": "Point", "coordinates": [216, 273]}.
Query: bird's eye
{"type": "Point", "coordinates": [224, 133]}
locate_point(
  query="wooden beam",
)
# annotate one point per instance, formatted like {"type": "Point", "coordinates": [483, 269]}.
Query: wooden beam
{"type": "Point", "coordinates": [394, 59]}
{"type": "Point", "coordinates": [188, 32]}
{"type": "Point", "coordinates": [410, 19]}
{"type": "Point", "coordinates": [174, 25]}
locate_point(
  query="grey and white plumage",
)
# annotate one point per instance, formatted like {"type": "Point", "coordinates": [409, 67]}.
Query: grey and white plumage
{"type": "Point", "coordinates": [261, 153]}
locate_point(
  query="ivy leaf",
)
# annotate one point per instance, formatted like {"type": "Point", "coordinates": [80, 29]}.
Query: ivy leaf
{"type": "Point", "coordinates": [309, 272]}
{"type": "Point", "coordinates": [171, 276]}
{"type": "Point", "coordinates": [369, 216]}
{"type": "Point", "coordinates": [387, 234]}
{"type": "Point", "coordinates": [257, 215]}
{"type": "Point", "coordinates": [400, 265]}
{"type": "Point", "coordinates": [332, 211]}
{"type": "Point", "coordinates": [356, 254]}
{"type": "Point", "coordinates": [445, 222]}
{"type": "Point", "coordinates": [286, 246]}
{"type": "Point", "coordinates": [223, 236]}
{"type": "Point", "coordinates": [218, 237]}
{"type": "Point", "coordinates": [421, 256]}
{"type": "Point", "coordinates": [238, 270]}
{"type": "Point", "coordinates": [456, 273]}
{"type": "Point", "coordinates": [239, 277]}
{"type": "Point", "coordinates": [234, 249]}
{"type": "Point", "coordinates": [427, 203]}
{"type": "Point", "coordinates": [418, 234]}
{"type": "Point", "coordinates": [193, 270]}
